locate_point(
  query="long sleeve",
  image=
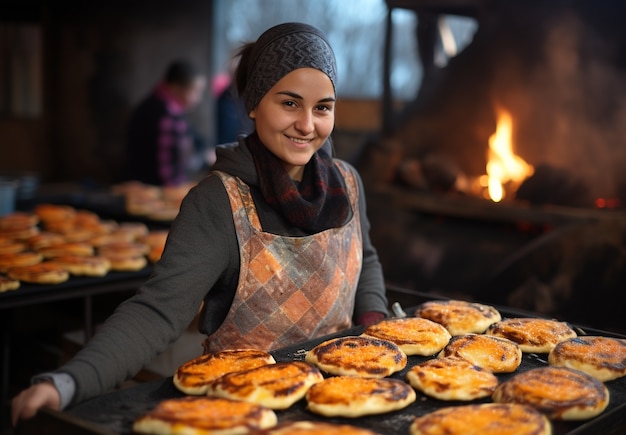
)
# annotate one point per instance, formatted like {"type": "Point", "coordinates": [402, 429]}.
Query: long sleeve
{"type": "Point", "coordinates": [147, 323]}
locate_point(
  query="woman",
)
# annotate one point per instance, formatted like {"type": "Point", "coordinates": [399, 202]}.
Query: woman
{"type": "Point", "coordinates": [273, 244]}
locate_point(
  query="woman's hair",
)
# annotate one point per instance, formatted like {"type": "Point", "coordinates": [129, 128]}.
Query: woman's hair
{"type": "Point", "coordinates": [241, 73]}
{"type": "Point", "coordinates": [181, 72]}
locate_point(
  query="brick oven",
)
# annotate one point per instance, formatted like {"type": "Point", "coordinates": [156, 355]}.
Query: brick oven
{"type": "Point", "coordinates": [506, 172]}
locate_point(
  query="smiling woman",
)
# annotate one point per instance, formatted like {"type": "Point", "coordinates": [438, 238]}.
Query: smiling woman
{"type": "Point", "coordinates": [273, 244]}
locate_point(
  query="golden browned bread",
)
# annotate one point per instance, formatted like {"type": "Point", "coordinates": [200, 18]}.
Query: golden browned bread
{"type": "Point", "coordinates": [532, 334]}
{"type": "Point", "coordinates": [41, 273]}
{"type": "Point", "coordinates": [414, 335]}
{"type": "Point", "coordinates": [26, 258]}
{"type": "Point", "coordinates": [354, 396]}
{"type": "Point", "coordinates": [122, 262]}
{"type": "Point", "coordinates": [194, 376]}
{"type": "Point", "coordinates": [558, 392]}
{"type": "Point", "coordinates": [204, 415]}
{"type": "Point", "coordinates": [314, 428]}
{"type": "Point", "coordinates": [18, 221]}
{"type": "Point", "coordinates": [44, 239]}
{"type": "Point", "coordinates": [9, 246]}
{"type": "Point", "coordinates": [8, 284]}
{"type": "Point", "coordinates": [483, 419]}
{"type": "Point", "coordinates": [83, 265]}
{"type": "Point", "coordinates": [604, 358]}
{"type": "Point", "coordinates": [67, 248]}
{"type": "Point", "coordinates": [277, 386]}
{"type": "Point", "coordinates": [358, 356]}
{"type": "Point", "coordinates": [496, 354]}
{"type": "Point", "coordinates": [452, 379]}
{"type": "Point", "coordinates": [459, 317]}
{"type": "Point", "coordinates": [54, 212]}
{"type": "Point", "coordinates": [127, 248]}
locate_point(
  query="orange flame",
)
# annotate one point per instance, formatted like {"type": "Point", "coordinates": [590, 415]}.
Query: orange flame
{"type": "Point", "coordinates": [504, 168]}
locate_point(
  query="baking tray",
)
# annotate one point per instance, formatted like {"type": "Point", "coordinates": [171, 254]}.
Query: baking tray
{"type": "Point", "coordinates": [114, 413]}
{"type": "Point", "coordinates": [76, 286]}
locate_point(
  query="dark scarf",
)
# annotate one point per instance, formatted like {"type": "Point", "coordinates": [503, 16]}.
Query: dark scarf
{"type": "Point", "coordinates": [318, 203]}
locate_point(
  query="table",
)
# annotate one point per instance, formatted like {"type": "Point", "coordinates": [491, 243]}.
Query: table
{"type": "Point", "coordinates": [76, 287]}
{"type": "Point", "coordinates": [114, 413]}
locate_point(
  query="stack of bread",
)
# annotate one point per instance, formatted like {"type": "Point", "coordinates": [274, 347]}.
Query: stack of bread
{"type": "Point", "coordinates": [54, 242]}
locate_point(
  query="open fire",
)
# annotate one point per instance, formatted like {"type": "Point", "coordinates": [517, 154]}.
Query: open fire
{"type": "Point", "coordinates": [505, 170]}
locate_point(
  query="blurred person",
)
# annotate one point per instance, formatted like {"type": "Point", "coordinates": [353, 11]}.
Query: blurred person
{"type": "Point", "coordinates": [162, 147]}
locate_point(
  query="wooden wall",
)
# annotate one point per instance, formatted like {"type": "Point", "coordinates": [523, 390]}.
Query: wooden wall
{"type": "Point", "coordinates": [99, 60]}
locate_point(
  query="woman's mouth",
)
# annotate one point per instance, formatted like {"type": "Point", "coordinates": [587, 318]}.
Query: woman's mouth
{"type": "Point", "coordinates": [299, 141]}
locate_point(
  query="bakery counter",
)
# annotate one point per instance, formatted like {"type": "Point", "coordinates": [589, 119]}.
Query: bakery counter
{"type": "Point", "coordinates": [115, 412]}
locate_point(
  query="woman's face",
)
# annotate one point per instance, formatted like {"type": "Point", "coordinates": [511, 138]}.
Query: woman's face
{"type": "Point", "coordinates": [295, 117]}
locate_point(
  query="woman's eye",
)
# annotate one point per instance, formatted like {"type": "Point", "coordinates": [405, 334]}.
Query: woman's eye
{"type": "Point", "coordinates": [290, 103]}
{"type": "Point", "coordinates": [324, 108]}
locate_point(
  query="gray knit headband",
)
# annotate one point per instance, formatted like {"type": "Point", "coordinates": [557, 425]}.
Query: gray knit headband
{"type": "Point", "coordinates": [282, 49]}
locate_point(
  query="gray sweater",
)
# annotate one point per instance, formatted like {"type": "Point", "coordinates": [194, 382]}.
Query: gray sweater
{"type": "Point", "coordinates": [200, 262]}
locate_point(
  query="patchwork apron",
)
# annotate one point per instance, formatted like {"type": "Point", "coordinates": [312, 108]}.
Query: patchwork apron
{"type": "Point", "coordinates": [290, 289]}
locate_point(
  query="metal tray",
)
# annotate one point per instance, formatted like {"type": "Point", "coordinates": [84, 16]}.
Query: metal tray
{"type": "Point", "coordinates": [114, 413]}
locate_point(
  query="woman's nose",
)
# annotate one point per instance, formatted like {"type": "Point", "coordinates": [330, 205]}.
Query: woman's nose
{"type": "Point", "coordinates": [304, 123]}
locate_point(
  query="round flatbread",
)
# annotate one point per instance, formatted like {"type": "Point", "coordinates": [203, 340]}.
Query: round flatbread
{"type": "Point", "coordinates": [41, 273]}
{"type": "Point", "coordinates": [18, 221]}
{"type": "Point", "coordinates": [83, 265]}
{"type": "Point", "coordinates": [459, 317]}
{"type": "Point", "coordinates": [314, 428]}
{"type": "Point", "coordinates": [194, 376]}
{"type": "Point", "coordinates": [414, 335]}
{"type": "Point", "coordinates": [136, 229]}
{"type": "Point", "coordinates": [204, 416]}
{"type": "Point", "coordinates": [45, 238]}
{"type": "Point", "coordinates": [277, 386]}
{"type": "Point", "coordinates": [483, 419]}
{"type": "Point", "coordinates": [17, 259]}
{"type": "Point", "coordinates": [123, 248]}
{"type": "Point", "coordinates": [72, 234]}
{"type": "Point", "coordinates": [604, 358]}
{"type": "Point", "coordinates": [532, 334]}
{"type": "Point", "coordinates": [124, 262]}
{"type": "Point", "coordinates": [55, 212]}
{"type": "Point", "coordinates": [353, 396]}
{"type": "Point", "coordinates": [19, 234]}
{"type": "Point", "coordinates": [358, 356]}
{"type": "Point", "coordinates": [495, 354]}
{"type": "Point", "coordinates": [68, 248]}
{"type": "Point", "coordinates": [8, 246]}
{"type": "Point", "coordinates": [452, 379]}
{"type": "Point", "coordinates": [558, 392]}
{"type": "Point", "coordinates": [8, 284]}
{"type": "Point", "coordinates": [111, 238]}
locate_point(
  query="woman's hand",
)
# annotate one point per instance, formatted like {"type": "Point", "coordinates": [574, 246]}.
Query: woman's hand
{"type": "Point", "coordinates": [26, 404]}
